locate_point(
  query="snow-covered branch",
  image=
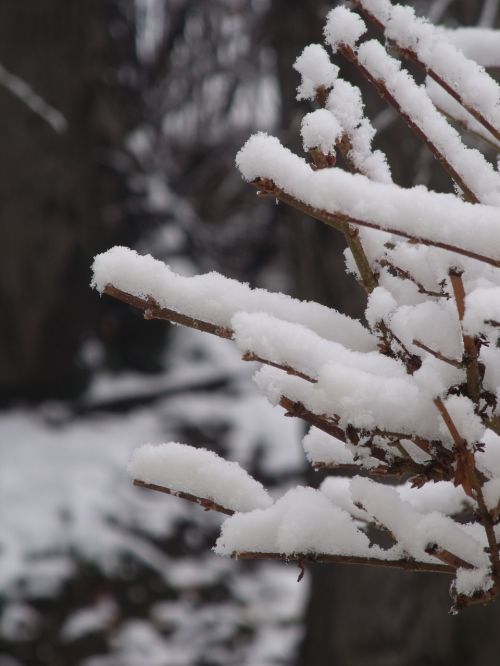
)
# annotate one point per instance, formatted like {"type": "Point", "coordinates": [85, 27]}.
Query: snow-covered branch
{"type": "Point", "coordinates": [413, 398]}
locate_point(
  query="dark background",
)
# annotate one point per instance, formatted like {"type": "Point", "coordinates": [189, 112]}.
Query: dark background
{"type": "Point", "coordinates": [125, 132]}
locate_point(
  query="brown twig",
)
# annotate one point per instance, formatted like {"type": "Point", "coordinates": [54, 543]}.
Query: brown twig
{"type": "Point", "coordinates": [448, 558]}
{"type": "Point", "coordinates": [438, 355]}
{"type": "Point", "coordinates": [397, 271]}
{"type": "Point", "coordinates": [461, 125]}
{"type": "Point", "coordinates": [471, 352]}
{"type": "Point", "coordinates": [466, 475]}
{"type": "Point", "coordinates": [409, 564]}
{"type": "Point", "coordinates": [202, 501]}
{"type": "Point", "coordinates": [152, 310]}
{"type": "Point", "coordinates": [250, 356]}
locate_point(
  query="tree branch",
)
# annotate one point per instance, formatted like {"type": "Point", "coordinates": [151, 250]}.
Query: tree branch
{"type": "Point", "coordinates": [466, 475]}
{"type": "Point", "coordinates": [438, 355]}
{"type": "Point", "coordinates": [471, 352]}
{"type": "Point", "coordinates": [409, 564]}
{"type": "Point", "coordinates": [397, 271]}
{"type": "Point", "coordinates": [336, 219]}
{"type": "Point", "coordinates": [202, 501]}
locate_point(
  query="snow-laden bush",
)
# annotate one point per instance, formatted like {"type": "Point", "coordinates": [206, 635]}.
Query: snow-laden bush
{"type": "Point", "coordinates": [412, 396]}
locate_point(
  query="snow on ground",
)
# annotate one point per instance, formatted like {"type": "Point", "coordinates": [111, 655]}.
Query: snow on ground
{"type": "Point", "coordinates": [65, 491]}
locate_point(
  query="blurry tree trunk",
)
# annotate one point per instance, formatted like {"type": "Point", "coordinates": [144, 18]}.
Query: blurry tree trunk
{"type": "Point", "coordinates": [63, 194]}
{"type": "Point", "coordinates": [363, 616]}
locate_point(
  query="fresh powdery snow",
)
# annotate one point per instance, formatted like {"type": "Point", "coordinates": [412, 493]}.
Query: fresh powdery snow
{"type": "Point", "coordinates": [322, 448]}
{"type": "Point", "coordinates": [320, 129]}
{"type": "Point", "coordinates": [199, 472]}
{"type": "Point", "coordinates": [343, 27]}
{"type": "Point", "coordinates": [297, 346]}
{"type": "Point", "coordinates": [304, 520]}
{"type": "Point", "coordinates": [316, 70]}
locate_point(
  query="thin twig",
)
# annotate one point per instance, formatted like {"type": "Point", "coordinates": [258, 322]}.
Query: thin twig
{"type": "Point", "coordinates": [250, 356]}
{"type": "Point", "coordinates": [466, 475]}
{"type": "Point", "coordinates": [202, 501]}
{"type": "Point", "coordinates": [397, 271]}
{"type": "Point", "coordinates": [408, 564]}
{"type": "Point", "coordinates": [152, 310]}
{"type": "Point", "coordinates": [471, 353]}
{"type": "Point", "coordinates": [448, 558]}
{"type": "Point", "coordinates": [438, 355]}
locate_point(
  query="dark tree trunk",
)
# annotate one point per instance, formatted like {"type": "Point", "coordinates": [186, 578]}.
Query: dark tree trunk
{"type": "Point", "coordinates": [63, 195]}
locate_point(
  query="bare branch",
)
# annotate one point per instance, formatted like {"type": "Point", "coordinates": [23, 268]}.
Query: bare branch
{"type": "Point", "coordinates": [438, 355]}
{"type": "Point", "coordinates": [471, 355]}
{"type": "Point", "coordinates": [466, 476]}
{"type": "Point", "coordinates": [397, 271]}
{"type": "Point", "coordinates": [408, 564]}
{"type": "Point", "coordinates": [153, 311]}
{"type": "Point", "coordinates": [202, 501]}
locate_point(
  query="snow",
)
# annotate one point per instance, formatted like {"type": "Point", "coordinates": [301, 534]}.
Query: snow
{"type": "Point", "coordinates": [488, 460]}
{"type": "Point", "coordinates": [345, 103]}
{"type": "Point", "coordinates": [295, 345]}
{"type": "Point", "coordinates": [469, 581]}
{"type": "Point", "coordinates": [316, 70]}
{"type": "Point", "coordinates": [198, 472]}
{"type": "Point", "coordinates": [413, 530]}
{"type": "Point", "coordinates": [441, 496]}
{"type": "Point", "coordinates": [430, 216]}
{"type": "Point", "coordinates": [75, 505]}
{"type": "Point", "coordinates": [214, 298]}
{"type": "Point", "coordinates": [381, 304]}
{"type": "Point", "coordinates": [329, 363]}
{"type": "Point", "coordinates": [93, 619]}
{"type": "Point", "coordinates": [479, 44]}
{"type": "Point", "coordinates": [449, 106]}
{"type": "Point", "coordinates": [303, 521]}
{"type": "Point", "coordinates": [343, 27]}
{"type": "Point", "coordinates": [320, 129]}
{"type": "Point", "coordinates": [491, 492]}
{"type": "Point", "coordinates": [322, 448]}
{"type": "Point", "coordinates": [481, 304]}
{"type": "Point", "coordinates": [410, 322]}
{"type": "Point", "coordinates": [468, 423]}
{"type": "Point", "coordinates": [359, 398]}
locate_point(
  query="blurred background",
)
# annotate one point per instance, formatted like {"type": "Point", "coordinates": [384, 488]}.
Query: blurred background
{"type": "Point", "coordinates": [120, 121]}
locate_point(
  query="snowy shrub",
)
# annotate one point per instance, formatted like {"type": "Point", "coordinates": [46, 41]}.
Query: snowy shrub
{"type": "Point", "coordinates": [409, 396]}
